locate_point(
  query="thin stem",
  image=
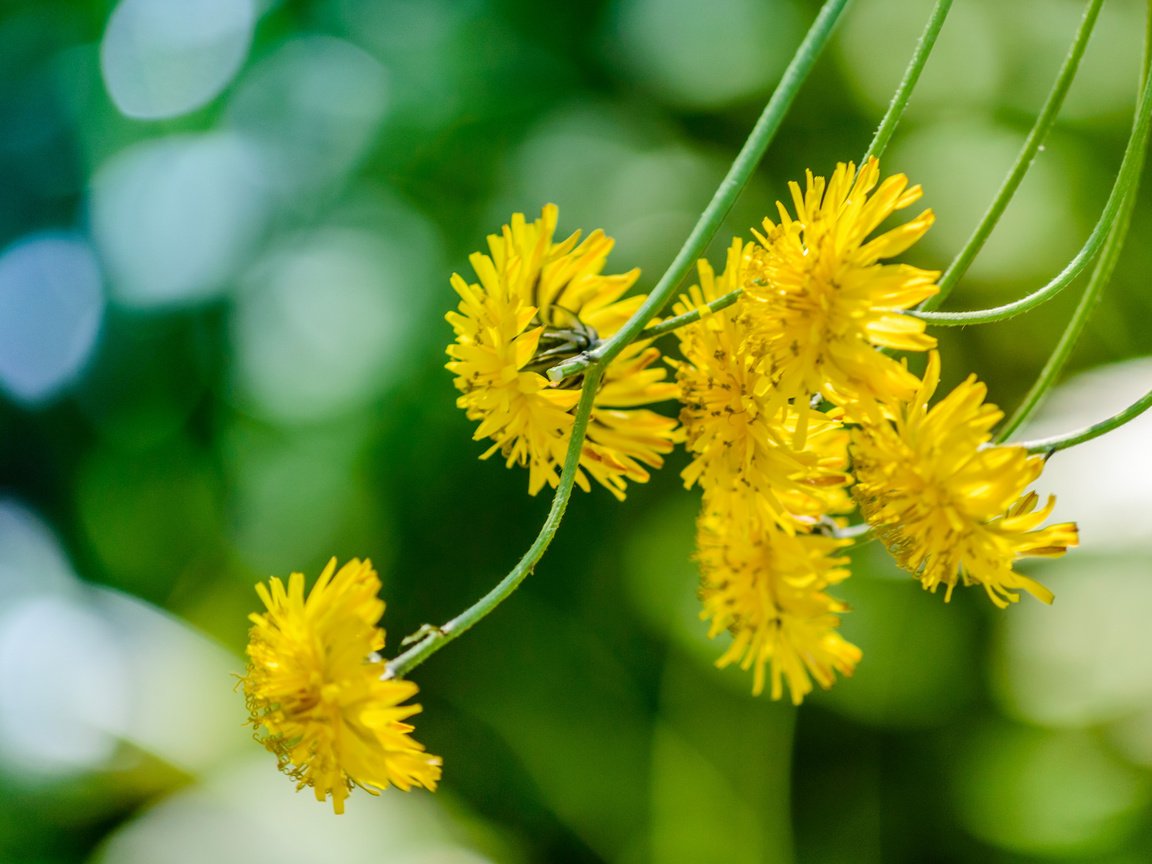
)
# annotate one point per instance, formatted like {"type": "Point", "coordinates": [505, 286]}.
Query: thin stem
{"type": "Point", "coordinates": [441, 636]}
{"type": "Point", "coordinates": [1063, 442]}
{"type": "Point", "coordinates": [1134, 161]}
{"type": "Point", "coordinates": [722, 302]}
{"type": "Point", "coordinates": [911, 76]}
{"type": "Point", "coordinates": [1032, 143]}
{"type": "Point", "coordinates": [726, 194]}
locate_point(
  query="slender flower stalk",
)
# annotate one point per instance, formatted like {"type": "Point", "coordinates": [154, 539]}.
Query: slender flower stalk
{"type": "Point", "coordinates": [694, 315]}
{"type": "Point", "coordinates": [1050, 445]}
{"type": "Point", "coordinates": [438, 637]}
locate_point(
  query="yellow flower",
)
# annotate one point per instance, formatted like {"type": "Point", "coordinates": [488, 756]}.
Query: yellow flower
{"type": "Point", "coordinates": [819, 302]}
{"type": "Point", "coordinates": [314, 690]}
{"type": "Point", "coordinates": [742, 443]}
{"type": "Point", "coordinates": [539, 302]}
{"type": "Point", "coordinates": [766, 587]}
{"type": "Point", "coordinates": [949, 506]}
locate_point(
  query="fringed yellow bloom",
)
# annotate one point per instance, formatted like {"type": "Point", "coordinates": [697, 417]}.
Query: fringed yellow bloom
{"type": "Point", "coordinates": [949, 506]}
{"type": "Point", "coordinates": [819, 302]}
{"type": "Point", "coordinates": [314, 690]}
{"type": "Point", "coordinates": [767, 587]}
{"type": "Point", "coordinates": [742, 443]}
{"type": "Point", "coordinates": [537, 303]}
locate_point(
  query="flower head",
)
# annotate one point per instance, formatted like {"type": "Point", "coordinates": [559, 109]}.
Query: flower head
{"type": "Point", "coordinates": [741, 439]}
{"type": "Point", "coordinates": [949, 506]}
{"type": "Point", "coordinates": [767, 587]}
{"type": "Point", "coordinates": [819, 299]}
{"type": "Point", "coordinates": [537, 303]}
{"type": "Point", "coordinates": [314, 690]}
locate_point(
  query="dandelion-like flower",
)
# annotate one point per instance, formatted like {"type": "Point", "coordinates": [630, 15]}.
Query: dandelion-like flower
{"type": "Point", "coordinates": [822, 302]}
{"type": "Point", "coordinates": [767, 587]}
{"type": "Point", "coordinates": [950, 507]}
{"type": "Point", "coordinates": [539, 302]}
{"type": "Point", "coordinates": [314, 689]}
{"type": "Point", "coordinates": [739, 436]}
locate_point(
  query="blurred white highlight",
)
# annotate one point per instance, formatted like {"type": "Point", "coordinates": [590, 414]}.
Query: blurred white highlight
{"type": "Point", "coordinates": [164, 58]}
{"type": "Point", "coordinates": [51, 305]}
{"type": "Point", "coordinates": [176, 218]}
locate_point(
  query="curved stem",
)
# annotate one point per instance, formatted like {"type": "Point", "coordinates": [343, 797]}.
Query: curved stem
{"type": "Point", "coordinates": [911, 76]}
{"type": "Point", "coordinates": [722, 302]}
{"type": "Point", "coordinates": [726, 194]}
{"type": "Point", "coordinates": [1063, 442]}
{"type": "Point", "coordinates": [1036, 136]}
{"type": "Point", "coordinates": [441, 636]}
{"type": "Point", "coordinates": [1134, 161]}
{"type": "Point", "coordinates": [1126, 180]}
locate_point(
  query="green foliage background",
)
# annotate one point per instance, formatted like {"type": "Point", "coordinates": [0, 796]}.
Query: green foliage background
{"type": "Point", "coordinates": [264, 389]}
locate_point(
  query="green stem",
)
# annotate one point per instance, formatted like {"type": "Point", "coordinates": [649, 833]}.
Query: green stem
{"type": "Point", "coordinates": [1032, 143]}
{"type": "Point", "coordinates": [1118, 231]}
{"type": "Point", "coordinates": [1063, 442]}
{"type": "Point", "coordinates": [911, 76]}
{"type": "Point", "coordinates": [1126, 180]}
{"type": "Point", "coordinates": [441, 636]}
{"type": "Point", "coordinates": [722, 302]}
{"type": "Point", "coordinates": [726, 194]}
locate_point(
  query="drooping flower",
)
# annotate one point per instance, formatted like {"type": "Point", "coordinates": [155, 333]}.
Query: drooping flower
{"type": "Point", "coordinates": [314, 691]}
{"type": "Point", "coordinates": [766, 587]}
{"type": "Point", "coordinates": [740, 436]}
{"type": "Point", "coordinates": [539, 302]}
{"type": "Point", "coordinates": [820, 302]}
{"type": "Point", "coordinates": [950, 507]}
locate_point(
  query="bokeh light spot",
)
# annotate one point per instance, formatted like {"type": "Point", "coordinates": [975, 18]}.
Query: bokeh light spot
{"type": "Point", "coordinates": [609, 170]}
{"type": "Point", "coordinates": [877, 39]}
{"type": "Point", "coordinates": [314, 106]}
{"type": "Point", "coordinates": [1102, 483]}
{"type": "Point", "coordinates": [56, 709]}
{"type": "Point", "coordinates": [1046, 793]}
{"type": "Point", "coordinates": [31, 560]}
{"type": "Point", "coordinates": [1088, 657]}
{"type": "Point", "coordinates": [322, 325]}
{"type": "Point", "coordinates": [961, 164]}
{"type": "Point", "coordinates": [660, 41]}
{"type": "Point", "coordinates": [51, 305]}
{"type": "Point", "coordinates": [163, 58]}
{"type": "Point", "coordinates": [175, 218]}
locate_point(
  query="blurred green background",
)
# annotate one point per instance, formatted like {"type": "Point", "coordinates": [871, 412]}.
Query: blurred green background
{"type": "Point", "coordinates": [226, 230]}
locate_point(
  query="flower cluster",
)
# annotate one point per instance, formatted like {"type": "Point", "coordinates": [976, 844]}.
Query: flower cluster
{"type": "Point", "coordinates": [315, 693]}
{"type": "Point", "coordinates": [821, 306]}
{"type": "Point", "coordinates": [794, 414]}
